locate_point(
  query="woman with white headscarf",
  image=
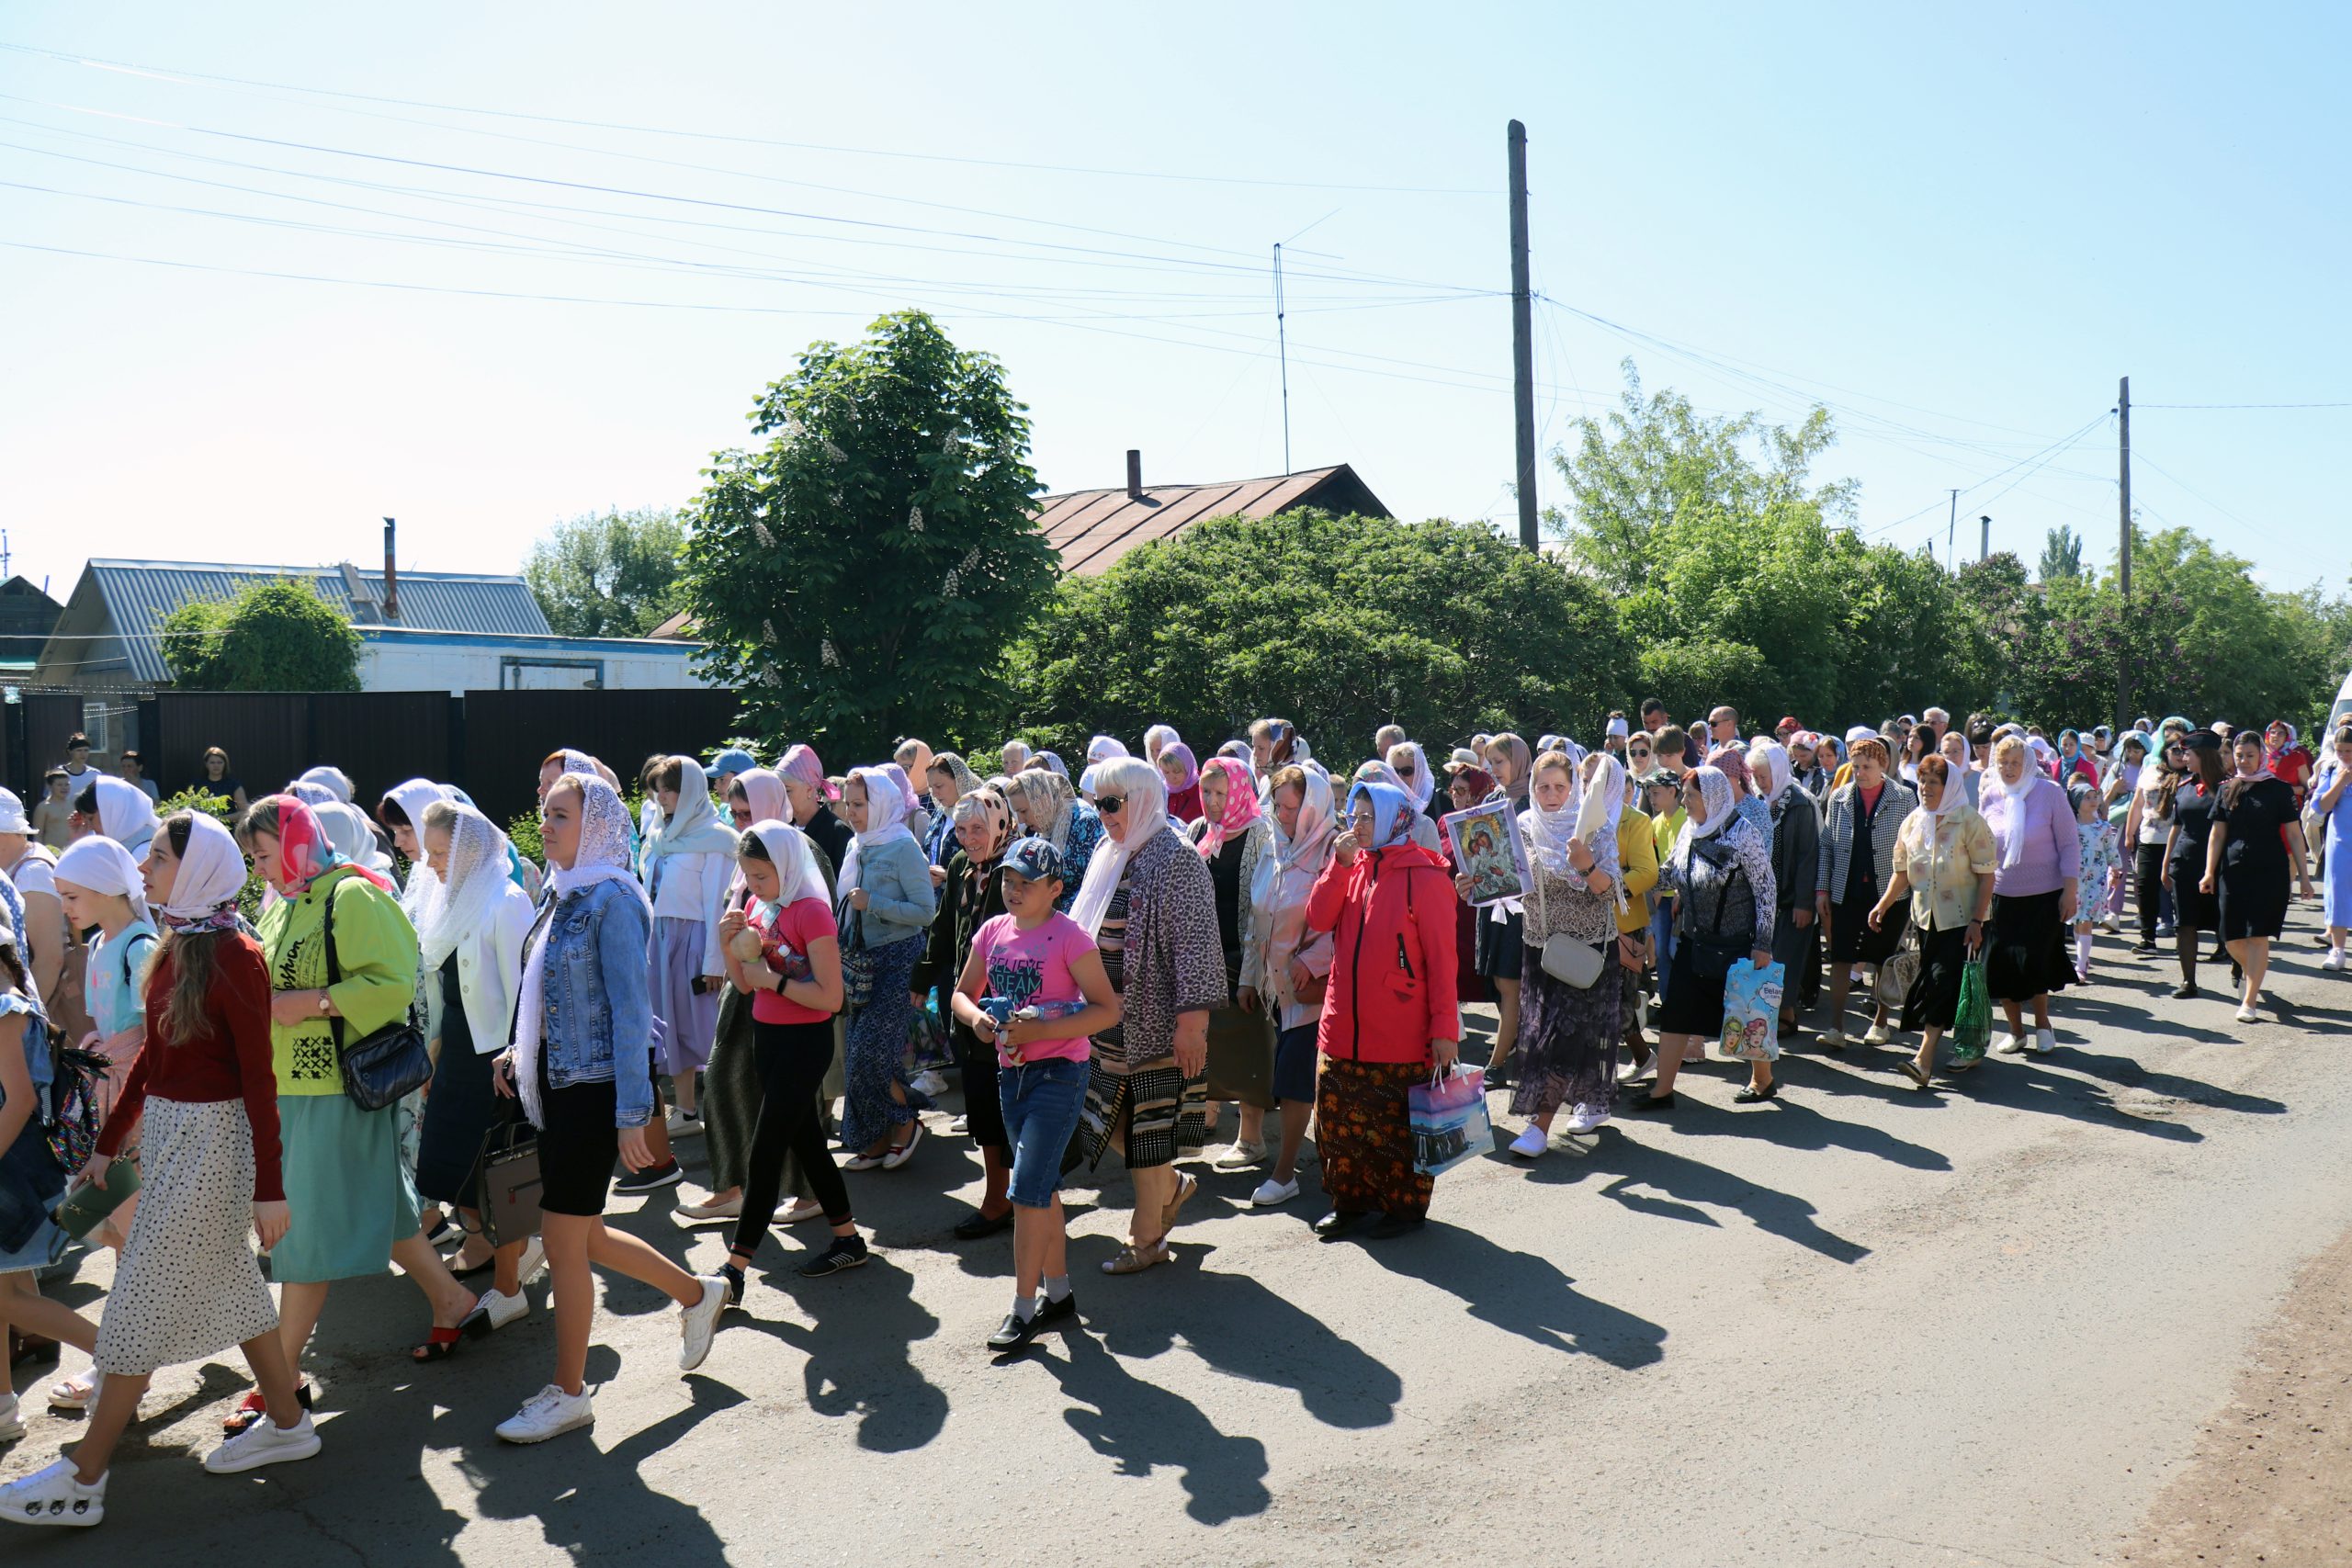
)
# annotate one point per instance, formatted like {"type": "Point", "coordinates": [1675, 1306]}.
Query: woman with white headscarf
{"type": "Point", "coordinates": [1286, 965]}
{"type": "Point", "coordinates": [401, 811]}
{"type": "Point", "coordinates": [1502, 925]}
{"type": "Point", "coordinates": [120, 810]}
{"type": "Point", "coordinates": [885, 904]}
{"type": "Point", "coordinates": [1796, 863]}
{"type": "Point", "coordinates": [335, 780]}
{"type": "Point", "coordinates": [1150, 907]}
{"type": "Point", "coordinates": [689, 862]}
{"type": "Point", "coordinates": [100, 887]}
{"type": "Point", "coordinates": [1944, 863]}
{"type": "Point", "coordinates": [2034, 892]}
{"type": "Point", "coordinates": [469, 932]}
{"type": "Point", "coordinates": [784, 951]}
{"type": "Point", "coordinates": [582, 1063]}
{"type": "Point", "coordinates": [204, 1100]}
{"type": "Point", "coordinates": [1568, 1032]}
{"type": "Point", "coordinates": [1410, 763]}
{"type": "Point", "coordinates": [1045, 806]}
{"type": "Point", "coordinates": [1721, 871]}
{"type": "Point", "coordinates": [1157, 739]}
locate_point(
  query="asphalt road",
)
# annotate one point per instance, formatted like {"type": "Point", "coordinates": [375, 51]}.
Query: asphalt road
{"type": "Point", "coordinates": [1858, 1325]}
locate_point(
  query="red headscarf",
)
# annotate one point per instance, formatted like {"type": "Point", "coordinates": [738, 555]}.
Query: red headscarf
{"type": "Point", "coordinates": [1240, 803]}
{"type": "Point", "coordinates": [305, 853]}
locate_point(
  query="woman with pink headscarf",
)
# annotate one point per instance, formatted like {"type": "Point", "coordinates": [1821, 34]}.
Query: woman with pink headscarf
{"type": "Point", "coordinates": [811, 796]}
{"type": "Point", "coordinates": [1232, 836]}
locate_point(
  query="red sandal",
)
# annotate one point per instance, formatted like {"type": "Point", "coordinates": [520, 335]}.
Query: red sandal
{"type": "Point", "coordinates": [441, 1347]}
{"type": "Point", "coordinates": [251, 1409]}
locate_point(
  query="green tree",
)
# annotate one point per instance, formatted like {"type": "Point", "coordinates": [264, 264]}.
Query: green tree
{"type": "Point", "coordinates": [859, 576]}
{"type": "Point", "coordinates": [614, 575]}
{"type": "Point", "coordinates": [276, 634]}
{"type": "Point", "coordinates": [2062, 555]}
{"type": "Point", "coordinates": [1339, 624]}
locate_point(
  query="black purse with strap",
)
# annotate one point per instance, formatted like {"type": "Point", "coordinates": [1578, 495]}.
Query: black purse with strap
{"type": "Point", "coordinates": [384, 1067]}
{"type": "Point", "coordinates": [1710, 956]}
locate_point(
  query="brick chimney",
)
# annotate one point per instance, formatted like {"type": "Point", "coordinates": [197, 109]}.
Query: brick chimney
{"type": "Point", "coordinates": [1134, 473]}
{"type": "Point", "coordinates": [391, 573]}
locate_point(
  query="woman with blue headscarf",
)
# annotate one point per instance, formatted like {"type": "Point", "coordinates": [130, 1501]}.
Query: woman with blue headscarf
{"type": "Point", "coordinates": [1389, 1016]}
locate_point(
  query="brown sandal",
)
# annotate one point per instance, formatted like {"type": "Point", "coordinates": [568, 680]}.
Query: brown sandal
{"type": "Point", "coordinates": [1133, 1259]}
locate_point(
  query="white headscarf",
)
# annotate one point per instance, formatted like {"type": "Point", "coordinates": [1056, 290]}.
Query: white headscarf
{"type": "Point", "coordinates": [1163, 733]}
{"type": "Point", "coordinates": [1146, 816]}
{"type": "Point", "coordinates": [1548, 832]}
{"type": "Point", "coordinates": [602, 857]}
{"type": "Point", "coordinates": [461, 905]}
{"type": "Point", "coordinates": [1104, 747]}
{"type": "Point", "coordinates": [1288, 874]}
{"type": "Point", "coordinates": [694, 827]}
{"type": "Point", "coordinates": [1424, 782]}
{"type": "Point", "coordinates": [1604, 798]}
{"type": "Point", "coordinates": [212, 875]}
{"type": "Point", "coordinates": [885, 818]}
{"type": "Point", "coordinates": [335, 780]}
{"type": "Point", "coordinates": [104, 866]}
{"type": "Point", "coordinates": [1955, 789]}
{"type": "Point", "coordinates": [1774, 756]}
{"type": "Point", "coordinates": [352, 836]}
{"type": "Point", "coordinates": [413, 797]}
{"type": "Point", "coordinates": [125, 815]}
{"type": "Point", "coordinates": [795, 862]}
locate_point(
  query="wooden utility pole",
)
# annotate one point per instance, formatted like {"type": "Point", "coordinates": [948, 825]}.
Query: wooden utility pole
{"type": "Point", "coordinates": [1522, 337]}
{"type": "Point", "coordinates": [2123, 550]}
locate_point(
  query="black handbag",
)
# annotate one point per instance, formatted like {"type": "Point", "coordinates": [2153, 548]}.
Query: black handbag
{"type": "Point", "coordinates": [381, 1068]}
{"type": "Point", "coordinates": [507, 1183]}
{"type": "Point", "coordinates": [857, 964]}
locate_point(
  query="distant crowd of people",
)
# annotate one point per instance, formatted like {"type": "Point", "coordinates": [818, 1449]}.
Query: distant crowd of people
{"type": "Point", "coordinates": [1111, 955]}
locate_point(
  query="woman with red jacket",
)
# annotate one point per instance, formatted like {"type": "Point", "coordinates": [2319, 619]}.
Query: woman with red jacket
{"type": "Point", "coordinates": [1389, 1016]}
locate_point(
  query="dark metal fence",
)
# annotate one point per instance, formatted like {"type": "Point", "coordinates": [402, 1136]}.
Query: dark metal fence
{"type": "Point", "coordinates": [488, 743]}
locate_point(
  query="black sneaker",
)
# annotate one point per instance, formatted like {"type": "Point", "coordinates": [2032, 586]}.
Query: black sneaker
{"type": "Point", "coordinates": [846, 1252]}
{"type": "Point", "coordinates": [667, 1174]}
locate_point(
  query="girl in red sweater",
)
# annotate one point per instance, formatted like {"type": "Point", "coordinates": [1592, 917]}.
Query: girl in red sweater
{"type": "Point", "coordinates": [187, 1286]}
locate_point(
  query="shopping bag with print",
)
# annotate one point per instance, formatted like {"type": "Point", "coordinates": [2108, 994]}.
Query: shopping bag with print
{"type": "Point", "coordinates": [1971, 1026]}
{"type": "Point", "coordinates": [1450, 1120]}
{"type": "Point", "coordinates": [1751, 1031]}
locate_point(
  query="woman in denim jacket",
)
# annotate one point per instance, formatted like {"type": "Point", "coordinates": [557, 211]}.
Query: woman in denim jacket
{"type": "Point", "coordinates": [884, 905]}
{"type": "Point", "coordinates": [580, 1064]}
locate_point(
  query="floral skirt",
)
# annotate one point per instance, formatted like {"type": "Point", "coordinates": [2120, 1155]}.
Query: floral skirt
{"type": "Point", "coordinates": [1363, 1132]}
{"type": "Point", "coordinates": [1567, 1039]}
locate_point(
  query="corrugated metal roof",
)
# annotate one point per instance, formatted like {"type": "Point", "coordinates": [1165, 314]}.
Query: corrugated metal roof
{"type": "Point", "coordinates": [1092, 528]}
{"type": "Point", "coordinates": [138, 594]}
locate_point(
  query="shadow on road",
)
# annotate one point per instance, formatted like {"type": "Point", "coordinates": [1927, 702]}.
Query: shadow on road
{"type": "Point", "coordinates": [1141, 1426]}
{"type": "Point", "coordinates": [857, 1361]}
{"type": "Point", "coordinates": [1523, 1293]}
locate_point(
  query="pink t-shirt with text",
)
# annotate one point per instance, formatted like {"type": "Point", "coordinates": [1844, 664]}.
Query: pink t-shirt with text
{"type": "Point", "coordinates": [1035, 967]}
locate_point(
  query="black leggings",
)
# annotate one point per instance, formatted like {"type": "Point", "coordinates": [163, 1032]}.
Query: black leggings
{"type": "Point", "coordinates": [2148, 877]}
{"type": "Point", "coordinates": [792, 1058]}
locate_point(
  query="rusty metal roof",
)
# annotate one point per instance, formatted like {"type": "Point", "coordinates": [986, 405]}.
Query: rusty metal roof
{"type": "Point", "coordinates": [1092, 528]}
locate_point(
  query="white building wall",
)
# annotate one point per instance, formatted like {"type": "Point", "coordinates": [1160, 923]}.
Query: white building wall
{"type": "Point", "coordinates": [456, 666]}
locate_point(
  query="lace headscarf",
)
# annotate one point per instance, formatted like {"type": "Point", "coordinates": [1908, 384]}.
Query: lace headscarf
{"type": "Point", "coordinates": [1102, 747]}
{"type": "Point", "coordinates": [1240, 803]}
{"type": "Point", "coordinates": [957, 769]}
{"type": "Point", "coordinates": [460, 905]}
{"type": "Point", "coordinates": [1714, 790]}
{"type": "Point", "coordinates": [335, 780]}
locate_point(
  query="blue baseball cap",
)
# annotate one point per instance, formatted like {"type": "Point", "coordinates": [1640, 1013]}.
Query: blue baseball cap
{"type": "Point", "coordinates": [1033, 859]}
{"type": "Point", "coordinates": [733, 761]}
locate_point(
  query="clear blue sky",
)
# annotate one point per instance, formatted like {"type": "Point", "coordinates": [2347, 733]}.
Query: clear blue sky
{"type": "Point", "coordinates": [1959, 228]}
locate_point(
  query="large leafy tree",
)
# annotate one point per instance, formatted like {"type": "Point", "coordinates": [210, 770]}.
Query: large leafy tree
{"type": "Point", "coordinates": [1339, 624]}
{"type": "Point", "coordinates": [859, 576]}
{"type": "Point", "coordinates": [614, 575]}
{"type": "Point", "coordinates": [274, 635]}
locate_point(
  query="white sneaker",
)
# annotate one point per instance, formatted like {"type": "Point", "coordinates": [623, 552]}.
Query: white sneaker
{"type": "Point", "coordinates": [698, 1322]}
{"type": "Point", "coordinates": [264, 1442]}
{"type": "Point", "coordinates": [2334, 962]}
{"type": "Point", "coordinates": [1532, 1144]}
{"type": "Point", "coordinates": [54, 1496]}
{"type": "Point", "coordinates": [863, 1162]}
{"type": "Point", "coordinates": [682, 1124]}
{"type": "Point", "coordinates": [534, 1264]}
{"type": "Point", "coordinates": [1879, 1034]}
{"type": "Point", "coordinates": [2248, 1015]}
{"type": "Point", "coordinates": [550, 1413]}
{"type": "Point", "coordinates": [2011, 1045]}
{"type": "Point", "coordinates": [1586, 1118]}
{"type": "Point", "coordinates": [961, 1125]}
{"type": "Point", "coordinates": [2044, 1042]}
{"type": "Point", "coordinates": [12, 1424]}
{"type": "Point", "coordinates": [1272, 1194]}
{"type": "Point", "coordinates": [712, 1209]}
{"type": "Point", "coordinates": [906, 1151]}
{"type": "Point", "coordinates": [499, 1310]}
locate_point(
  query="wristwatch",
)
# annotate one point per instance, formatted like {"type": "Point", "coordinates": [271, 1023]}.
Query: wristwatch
{"type": "Point", "coordinates": [324, 1000]}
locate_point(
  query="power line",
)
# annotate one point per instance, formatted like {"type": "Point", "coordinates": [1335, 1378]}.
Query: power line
{"type": "Point", "coordinates": [2341, 405]}
{"type": "Point", "coordinates": [201, 78]}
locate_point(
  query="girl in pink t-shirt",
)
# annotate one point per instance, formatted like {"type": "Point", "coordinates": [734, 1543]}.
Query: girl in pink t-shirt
{"type": "Point", "coordinates": [1035, 986]}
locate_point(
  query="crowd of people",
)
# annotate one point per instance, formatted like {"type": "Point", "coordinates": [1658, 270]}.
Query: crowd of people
{"type": "Point", "coordinates": [1111, 958]}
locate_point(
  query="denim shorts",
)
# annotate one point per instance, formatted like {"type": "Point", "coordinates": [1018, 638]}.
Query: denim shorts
{"type": "Point", "coordinates": [1041, 1102]}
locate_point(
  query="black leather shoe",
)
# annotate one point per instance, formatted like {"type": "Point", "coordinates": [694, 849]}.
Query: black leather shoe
{"type": "Point", "coordinates": [975, 1225]}
{"type": "Point", "coordinates": [1014, 1333]}
{"type": "Point", "coordinates": [1336, 1223]}
{"type": "Point", "coordinates": [1637, 1102]}
{"type": "Point", "coordinates": [1751, 1094]}
{"type": "Point", "coordinates": [1391, 1225]}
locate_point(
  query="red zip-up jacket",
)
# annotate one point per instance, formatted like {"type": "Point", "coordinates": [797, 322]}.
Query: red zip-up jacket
{"type": "Point", "coordinates": [1391, 916]}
